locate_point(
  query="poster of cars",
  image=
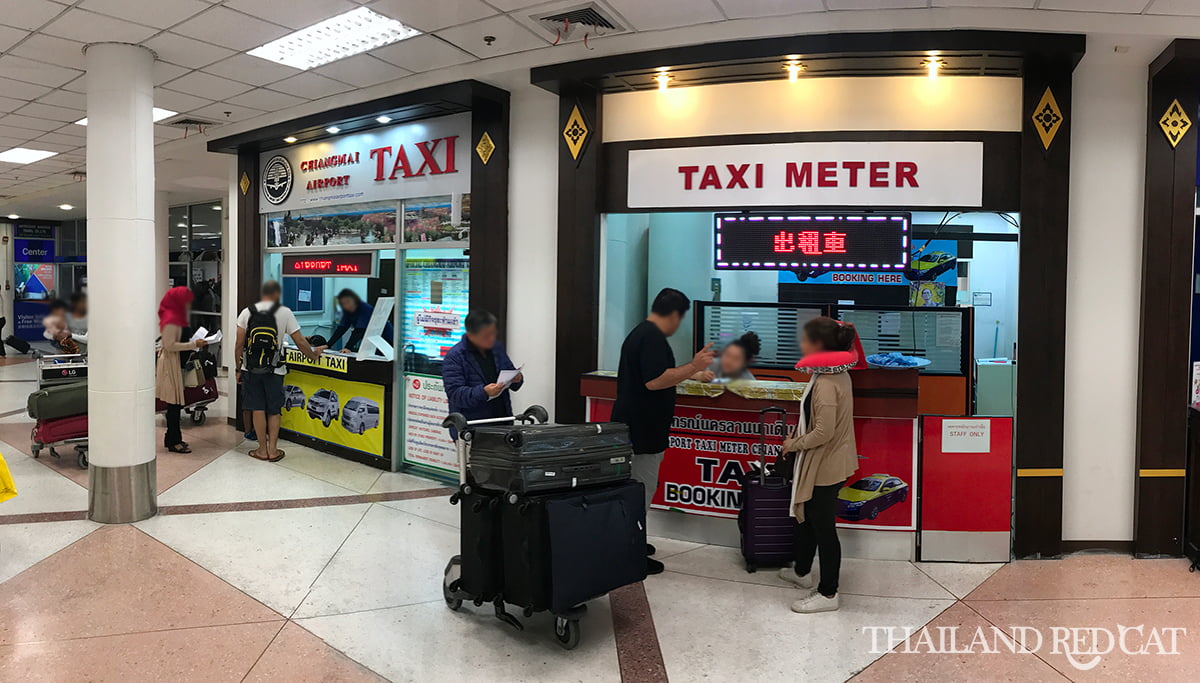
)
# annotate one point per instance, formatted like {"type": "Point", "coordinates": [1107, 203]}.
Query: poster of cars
{"type": "Point", "coordinates": [711, 448]}
{"type": "Point", "coordinates": [345, 225]}
{"type": "Point", "coordinates": [346, 413]}
{"type": "Point", "coordinates": [930, 261]}
{"type": "Point", "coordinates": [426, 442]}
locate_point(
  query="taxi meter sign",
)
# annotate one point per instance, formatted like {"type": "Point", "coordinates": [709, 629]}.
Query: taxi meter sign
{"type": "Point", "coordinates": [865, 242]}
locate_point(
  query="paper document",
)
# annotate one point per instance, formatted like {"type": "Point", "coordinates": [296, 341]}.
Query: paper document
{"type": "Point", "coordinates": [202, 333]}
{"type": "Point", "coordinates": [506, 378]}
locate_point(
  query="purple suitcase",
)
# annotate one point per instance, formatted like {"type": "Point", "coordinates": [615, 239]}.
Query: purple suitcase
{"type": "Point", "coordinates": [768, 530]}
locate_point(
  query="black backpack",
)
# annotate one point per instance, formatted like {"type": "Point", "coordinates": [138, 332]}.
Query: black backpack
{"type": "Point", "coordinates": [262, 340]}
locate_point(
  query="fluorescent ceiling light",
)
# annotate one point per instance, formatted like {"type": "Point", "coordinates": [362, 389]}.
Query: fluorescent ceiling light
{"type": "Point", "coordinates": [383, 119]}
{"type": "Point", "coordinates": [156, 115]}
{"type": "Point", "coordinates": [13, 216]}
{"type": "Point", "coordinates": [21, 155]}
{"type": "Point", "coordinates": [351, 33]}
{"type": "Point", "coordinates": [65, 207]}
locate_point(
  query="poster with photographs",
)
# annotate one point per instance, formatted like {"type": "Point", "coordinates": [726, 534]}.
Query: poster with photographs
{"type": "Point", "coordinates": [927, 294]}
{"type": "Point", "coordinates": [444, 218]}
{"type": "Point", "coordinates": [347, 225]}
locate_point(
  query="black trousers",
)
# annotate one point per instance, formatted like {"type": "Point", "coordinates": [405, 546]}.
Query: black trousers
{"type": "Point", "coordinates": [174, 433]}
{"type": "Point", "coordinates": [3, 322]}
{"type": "Point", "coordinates": [818, 532]}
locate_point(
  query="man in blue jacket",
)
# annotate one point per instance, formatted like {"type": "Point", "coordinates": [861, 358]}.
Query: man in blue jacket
{"type": "Point", "coordinates": [471, 370]}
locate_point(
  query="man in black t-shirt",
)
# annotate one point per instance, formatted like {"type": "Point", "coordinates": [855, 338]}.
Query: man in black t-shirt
{"type": "Point", "coordinates": [646, 379]}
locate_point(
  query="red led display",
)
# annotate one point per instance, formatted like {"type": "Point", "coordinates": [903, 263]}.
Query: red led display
{"type": "Point", "coordinates": [361, 264]}
{"type": "Point", "coordinates": [871, 242]}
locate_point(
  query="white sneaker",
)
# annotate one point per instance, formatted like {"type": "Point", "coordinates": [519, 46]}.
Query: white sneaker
{"type": "Point", "coordinates": [815, 603]}
{"type": "Point", "coordinates": [807, 582]}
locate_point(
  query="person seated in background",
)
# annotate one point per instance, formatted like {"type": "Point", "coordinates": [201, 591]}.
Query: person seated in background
{"type": "Point", "coordinates": [77, 319]}
{"type": "Point", "coordinates": [471, 371]}
{"type": "Point", "coordinates": [57, 332]}
{"type": "Point", "coordinates": [356, 315]}
{"type": "Point", "coordinates": [734, 361]}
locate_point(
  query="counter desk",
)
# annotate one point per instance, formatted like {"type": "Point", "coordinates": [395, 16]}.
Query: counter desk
{"type": "Point", "coordinates": [340, 405]}
{"type": "Point", "coordinates": [715, 438]}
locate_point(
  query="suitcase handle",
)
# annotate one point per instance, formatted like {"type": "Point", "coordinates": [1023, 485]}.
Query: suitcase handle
{"type": "Point", "coordinates": [762, 435]}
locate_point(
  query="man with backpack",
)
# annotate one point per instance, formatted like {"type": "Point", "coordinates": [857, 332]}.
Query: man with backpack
{"type": "Point", "coordinates": [260, 332]}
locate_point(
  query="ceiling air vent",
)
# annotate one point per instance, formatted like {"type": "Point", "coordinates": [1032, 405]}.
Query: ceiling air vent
{"type": "Point", "coordinates": [189, 122]}
{"type": "Point", "coordinates": [578, 23]}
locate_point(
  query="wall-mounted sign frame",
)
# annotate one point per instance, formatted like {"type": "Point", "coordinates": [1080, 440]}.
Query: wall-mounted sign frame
{"type": "Point", "coordinates": [332, 264]}
{"type": "Point", "coordinates": [867, 242]}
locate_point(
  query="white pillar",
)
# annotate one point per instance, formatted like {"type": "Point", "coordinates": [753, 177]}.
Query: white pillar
{"type": "Point", "coordinates": [121, 283]}
{"type": "Point", "coordinates": [162, 242]}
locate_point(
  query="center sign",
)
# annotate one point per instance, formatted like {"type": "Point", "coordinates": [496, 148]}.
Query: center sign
{"type": "Point", "coordinates": [423, 159]}
{"type": "Point", "coordinates": [861, 241]}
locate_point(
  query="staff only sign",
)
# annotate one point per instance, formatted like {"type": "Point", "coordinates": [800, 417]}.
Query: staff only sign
{"type": "Point", "coordinates": [896, 173]}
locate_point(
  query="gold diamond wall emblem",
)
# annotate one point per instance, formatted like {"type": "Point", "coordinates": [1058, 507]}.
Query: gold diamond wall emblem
{"type": "Point", "coordinates": [485, 148]}
{"type": "Point", "coordinates": [575, 132]}
{"type": "Point", "coordinates": [1047, 118]}
{"type": "Point", "coordinates": [244, 183]}
{"type": "Point", "coordinates": [1175, 123]}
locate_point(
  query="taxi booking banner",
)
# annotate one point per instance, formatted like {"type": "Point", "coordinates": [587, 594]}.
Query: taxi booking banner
{"type": "Point", "coordinates": [349, 414]}
{"type": "Point", "coordinates": [710, 448]}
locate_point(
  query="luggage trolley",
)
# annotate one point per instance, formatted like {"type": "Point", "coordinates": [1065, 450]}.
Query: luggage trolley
{"type": "Point", "coordinates": [566, 625]}
{"type": "Point", "coordinates": [64, 368]}
{"type": "Point", "coordinates": [80, 443]}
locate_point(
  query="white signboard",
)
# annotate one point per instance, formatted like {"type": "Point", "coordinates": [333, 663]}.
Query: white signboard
{"type": "Point", "coordinates": [892, 174]}
{"type": "Point", "coordinates": [422, 159]}
{"type": "Point", "coordinates": [966, 436]}
{"type": "Point", "coordinates": [425, 441]}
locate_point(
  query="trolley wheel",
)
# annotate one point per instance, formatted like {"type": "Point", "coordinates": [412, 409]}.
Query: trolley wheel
{"type": "Point", "coordinates": [37, 450]}
{"type": "Point", "coordinates": [199, 415]}
{"type": "Point", "coordinates": [751, 567]}
{"type": "Point", "coordinates": [82, 458]}
{"type": "Point", "coordinates": [451, 583]}
{"type": "Point", "coordinates": [54, 452]}
{"type": "Point", "coordinates": [566, 632]}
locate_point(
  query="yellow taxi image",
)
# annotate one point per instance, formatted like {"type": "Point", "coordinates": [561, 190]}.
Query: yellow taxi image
{"type": "Point", "coordinates": [867, 497]}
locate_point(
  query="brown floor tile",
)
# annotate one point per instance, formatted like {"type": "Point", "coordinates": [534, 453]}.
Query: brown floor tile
{"type": "Point", "coordinates": [921, 665]}
{"type": "Point", "coordinates": [118, 580]}
{"type": "Point", "coordinates": [13, 359]}
{"type": "Point", "coordinates": [1088, 577]}
{"type": "Point", "coordinates": [211, 654]}
{"type": "Point", "coordinates": [1150, 613]}
{"type": "Point", "coordinates": [18, 434]}
{"type": "Point", "coordinates": [298, 656]}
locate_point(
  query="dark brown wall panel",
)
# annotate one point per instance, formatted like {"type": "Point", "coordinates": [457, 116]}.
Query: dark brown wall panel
{"type": "Point", "coordinates": [489, 207]}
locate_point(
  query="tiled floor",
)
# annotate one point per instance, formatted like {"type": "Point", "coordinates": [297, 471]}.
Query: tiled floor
{"type": "Point", "coordinates": [302, 571]}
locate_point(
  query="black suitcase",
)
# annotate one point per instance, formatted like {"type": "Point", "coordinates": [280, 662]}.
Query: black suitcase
{"type": "Point", "coordinates": [563, 549]}
{"type": "Point", "coordinates": [524, 459]}
{"type": "Point", "coordinates": [18, 344]}
{"type": "Point", "coordinates": [482, 564]}
{"type": "Point", "coordinates": [764, 520]}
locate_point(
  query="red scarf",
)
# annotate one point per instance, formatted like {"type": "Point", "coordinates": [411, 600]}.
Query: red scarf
{"type": "Point", "coordinates": [172, 310]}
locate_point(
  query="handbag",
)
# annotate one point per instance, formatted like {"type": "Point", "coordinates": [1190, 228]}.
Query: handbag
{"type": "Point", "coordinates": [193, 373]}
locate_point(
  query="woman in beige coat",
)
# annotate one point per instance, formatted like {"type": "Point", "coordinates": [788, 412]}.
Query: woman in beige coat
{"type": "Point", "coordinates": [168, 384]}
{"type": "Point", "coordinates": [826, 457]}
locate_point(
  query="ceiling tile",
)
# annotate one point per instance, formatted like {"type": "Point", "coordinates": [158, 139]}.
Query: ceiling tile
{"type": "Point", "coordinates": [217, 112]}
{"type": "Point", "coordinates": [875, 4]}
{"type": "Point", "coordinates": [294, 14]}
{"type": "Point", "coordinates": [48, 111]}
{"type": "Point", "coordinates": [10, 36]}
{"type": "Point", "coordinates": [31, 14]}
{"type": "Point", "coordinates": [21, 90]}
{"type": "Point", "coordinates": [252, 70]}
{"type": "Point", "coordinates": [50, 147]}
{"type": "Point", "coordinates": [178, 101]}
{"type": "Point", "coordinates": [64, 98]}
{"type": "Point", "coordinates": [738, 9]}
{"type": "Point", "coordinates": [510, 5]}
{"type": "Point", "coordinates": [431, 15]}
{"type": "Point", "coordinates": [310, 85]}
{"type": "Point", "coordinates": [648, 16]}
{"type": "Point", "coordinates": [423, 53]}
{"type": "Point", "coordinates": [89, 27]}
{"type": "Point", "coordinates": [362, 71]}
{"type": "Point", "coordinates": [177, 49]}
{"type": "Point", "coordinates": [223, 26]}
{"type": "Point", "coordinates": [22, 69]}
{"type": "Point", "coordinates": [510, 37]}
{"type": "Point", "coordinates": [159, 13]}
{"type": "Point", "coordinates": [1005, 4]}
{"type": "Point", "coordinates": [31, 122]}
{"type": "Point", "coordinates": [8, 104]}
{"type": "Point", "coordinates": [206, 85]}
{"type": "Point", "coordinates": [266, 100]}
{"type": "Point", "coordinates": [166, 71]}
{"type": "Point", "coordinates": [1119, 6]}
{"type": "Point", "coordinates": [68, 140]}
{"type": "Point", "coordinates": [1182, 8]}
{"type": "Point", "coordinates": [46, 48]}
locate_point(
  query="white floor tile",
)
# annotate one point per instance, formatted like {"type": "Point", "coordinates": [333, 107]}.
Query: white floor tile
{"type": "Point", "coordinates": [338, 471]}
{"type": "Point", "coordinates": [715, 630]}
{"type": "Point", "coordinates": [24, 545]}
{"type": "Point", "coordinates": [436, 508]}
{"type": "Point", "coordinates": [272, 555]}
{"type": "Point", "coordinates": [428, 642]}
{"type": "Point", "coordinates": [960, 578]}
{"type": "Point", "coordinates": [39, 488]}
{"type": "Point", "coordinates": [401, 481]}
{"type": "Point", "coordinates": [668, 547]}
{"type": "Point", "coordinates": [236, 477]}
{"type": "Point", "coordinates": [392, 559]}
{"type": "Point", "coordinates": [15, 395]}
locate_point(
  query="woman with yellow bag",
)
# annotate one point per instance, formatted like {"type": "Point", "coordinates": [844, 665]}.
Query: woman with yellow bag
{"type": "Point", "coordinates": [8, 488]}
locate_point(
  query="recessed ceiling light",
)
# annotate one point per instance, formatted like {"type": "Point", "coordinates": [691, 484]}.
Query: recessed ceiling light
{"type": "Point", "coordinates": [217, 207]}
{"type": "Point", "coordinates": [65, 207]}
{"type": "Point", "coordinates": [181, 225]}
{"type": "Point", "coordinates": [383, 119]}
{"type": "Point", "coordinates": [13, 216]}
{"type": "Point", "coordinates": [350, 33]}
{"type": "Point", "coordinates": [333, 130]}
{"type": "Point", "coordinates": [21, 155]}
{"type": "Point", "coordinates": [156, 115]}
{"type": "Point", "coordinates": [289, 139]}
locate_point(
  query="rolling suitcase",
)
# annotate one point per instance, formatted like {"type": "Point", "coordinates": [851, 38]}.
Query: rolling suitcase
{"type": "Point", "coordinates": [60, 429]}
{"type": "Point", "coordinates": [526, 459]}
{"type": "Point", "coordinates": [767, 527]}
{"type": "Point", "coordinates": [63, 400]}
{"type": "Point", "coordinates": [563, 549]}
{"type": "Point", "coordinates": [19, 345]}
{"type": "Point", "coordinates": [481, 572]}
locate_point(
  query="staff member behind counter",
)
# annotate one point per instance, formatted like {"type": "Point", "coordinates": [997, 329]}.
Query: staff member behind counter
{"type": "Point", "coordinates": [356, 315]}
{"type": "Point", "coordinates": [734, 361]}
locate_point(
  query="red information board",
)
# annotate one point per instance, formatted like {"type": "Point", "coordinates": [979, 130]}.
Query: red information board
{"type": "Point", "coordinates": [966, 465]}
{"type": "Point", "coordinates": [712, 447]}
